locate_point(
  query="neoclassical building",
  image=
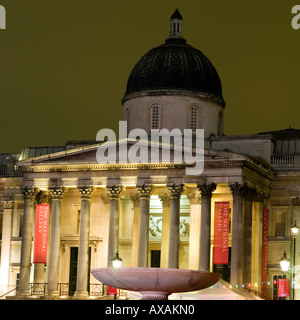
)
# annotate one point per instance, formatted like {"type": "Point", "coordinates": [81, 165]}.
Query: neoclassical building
{"type": "Point", "coordinates": [154, 213]}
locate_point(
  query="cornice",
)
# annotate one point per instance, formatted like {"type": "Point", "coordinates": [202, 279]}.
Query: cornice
{"type": "Point", "coordinates": [101, 167]}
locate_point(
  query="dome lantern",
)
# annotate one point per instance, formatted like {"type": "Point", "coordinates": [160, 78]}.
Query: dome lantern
{"type": "Point", "coordinates": [176, 25]}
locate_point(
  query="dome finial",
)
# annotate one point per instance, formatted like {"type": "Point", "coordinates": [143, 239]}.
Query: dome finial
{"type": "Point", "coordinates": [176, 25]}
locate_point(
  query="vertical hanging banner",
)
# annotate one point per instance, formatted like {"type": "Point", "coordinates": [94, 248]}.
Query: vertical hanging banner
{"type": "Point", "coordinates": [41, 233]}
{"type": "Point", "coordinates": [221, 231]}
{"type": "Point", "coordinates": [283, 288]}
{"type": "Point", "coordinates": [264, 268]}
{"type": "Point", "coordinates": [111, 291]}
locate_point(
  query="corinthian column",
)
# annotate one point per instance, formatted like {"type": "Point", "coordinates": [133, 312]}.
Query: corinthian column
{"type": "Point", "coordinates": [6, 244]}
{"type": "Point", "coordinates": [113, 232]}
{"type": "Point", "coordinates": [175, 193]}
{"type": "Point", "coordinates": [249, 196]}
{"type": "Point", "coordinates": [29, 194]}
{"type": "Point", "coordinates": [57, 193]}
{"type": "Point", "coordinates": [206, 194]}
{"type": "Point", "coordinates": [145, 192]}
{"type": "Point", "coordinates": [238, 191]}
{"type": "Point", "coordinates": [84, 233]}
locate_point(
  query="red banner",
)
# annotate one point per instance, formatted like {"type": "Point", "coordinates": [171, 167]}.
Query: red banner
{"type": "Point", "coordinates": [111, 290]}
{"type": "Point", "coordinates": [283, 288]}
{"type": "Point", "coordinates": [41, 233]}
{"type": "Point", "coordinates": [264, 268]}
{"type": "Point", "coordinates": [221, 230]}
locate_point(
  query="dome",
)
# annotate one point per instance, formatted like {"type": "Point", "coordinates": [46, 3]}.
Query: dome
{"type": "Point", "coordinates": [174, 67]}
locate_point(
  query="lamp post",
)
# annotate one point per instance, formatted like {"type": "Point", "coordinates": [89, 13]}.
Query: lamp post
{"type": "Point", "coordinates": [294, 233]}
{"type": "Point", "coordinates": [117, 262]}
{"type": "Point", "coordinates": [284, 262]}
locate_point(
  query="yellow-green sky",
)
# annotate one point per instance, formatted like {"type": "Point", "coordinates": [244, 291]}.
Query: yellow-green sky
{"type": "Point", "coordinates": [65, 64]}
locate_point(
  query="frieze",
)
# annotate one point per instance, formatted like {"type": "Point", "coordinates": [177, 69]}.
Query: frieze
{"type": "Point", "coordinates": [155, 227]}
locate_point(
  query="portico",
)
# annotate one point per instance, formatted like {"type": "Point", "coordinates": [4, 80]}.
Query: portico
{"type": "Point", "coordinates": [139, 208]}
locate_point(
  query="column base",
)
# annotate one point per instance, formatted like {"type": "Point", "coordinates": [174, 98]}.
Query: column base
{"type": "Point", "coordinates": [54, 293]}
{"type": "Point", "coordinates": [80, 294]}
{"type": "Point", "coordinates": [23, 293]}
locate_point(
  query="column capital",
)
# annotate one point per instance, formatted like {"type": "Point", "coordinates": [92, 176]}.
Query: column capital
{"type": "Point", "coordinates": [86, 192]}
{"type": "Point", "coordinates": [57, 192]}
{"type": "Point", "coordinates": [194, 197]}
{"type": "Point", "coordinates": [165, 199]}
{"type": "Point", "coordinates": [295, 201]}
{"type": "Point", "coordinates": [175, 189]}
{"type": "Point", "coordinates": [250, 194]}
{"type": "Point", "coordinates": [7, 204]}
{"type": "Point", "coordinates": [105, 197]}
{"type": "Point", "coordinates": [260, 196]}
{"type": "Point", "coordinates": [206, 189]}
{"type": "Point", "coordinates": [135, 198]}
{"type": "Point", "coordinates": [238, 189]}
{"type": "Point", "coordinates": [145, 190]}
{"type": "Point", "coordinates": [29, 192]}
{"type": "Point", "coordinates": [115, 191]}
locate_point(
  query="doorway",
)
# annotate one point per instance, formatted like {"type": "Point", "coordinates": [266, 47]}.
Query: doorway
{"type": "Point", "coordinates": [73, 269]}
{"type": "Point", "coordinates": [155, 258]}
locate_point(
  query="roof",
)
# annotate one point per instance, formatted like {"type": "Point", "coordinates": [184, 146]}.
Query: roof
{"type": "Point", "coordinates": [6, 156]}
{"type": "Point", "coordinates": [176, 15]}
{"type": "Point", "coordinates": [285, 133]}
{"type": "Point", "coordinates": [174, 67]}
{"type": "Point", "coordinates": [32, 152]}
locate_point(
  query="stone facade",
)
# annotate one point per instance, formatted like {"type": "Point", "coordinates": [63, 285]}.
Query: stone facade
{"type": "Point", "coordinates": [153, 214]}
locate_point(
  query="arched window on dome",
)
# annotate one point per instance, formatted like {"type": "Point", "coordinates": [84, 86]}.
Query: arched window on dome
{"type": "Point", "coordinates": [194, 115]}
{"type": "Point", "coordinates": [155, 117]}
{"type": "Point", "coordinates": [220, 124]}
{"type": "Point", "coordinates": [127, 118]}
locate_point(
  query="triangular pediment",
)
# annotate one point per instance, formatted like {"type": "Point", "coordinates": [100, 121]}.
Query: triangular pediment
{"type": "Point", "coordinates": [88, 154]}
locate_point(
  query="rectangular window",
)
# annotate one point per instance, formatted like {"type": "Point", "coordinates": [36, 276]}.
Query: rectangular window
{"type": "Point", "coordinates": [280, 221]}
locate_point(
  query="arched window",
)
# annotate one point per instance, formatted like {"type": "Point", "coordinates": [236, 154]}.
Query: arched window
{"type": "Point", "coordinates": [127, 118]}
{"type": "Point", "coordinates": [155, 117]}
{"type": "Point", "coordinates": [220, 124]}
{"type": "Point", "coordinates": [194, 112]}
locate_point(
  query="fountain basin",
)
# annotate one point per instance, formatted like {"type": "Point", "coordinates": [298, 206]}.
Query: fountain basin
{"type": "Point", "coordinates": [156, 283]}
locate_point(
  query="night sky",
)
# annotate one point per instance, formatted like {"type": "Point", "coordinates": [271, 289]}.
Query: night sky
{"type": "Point", "coordinates": [65, 63]}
